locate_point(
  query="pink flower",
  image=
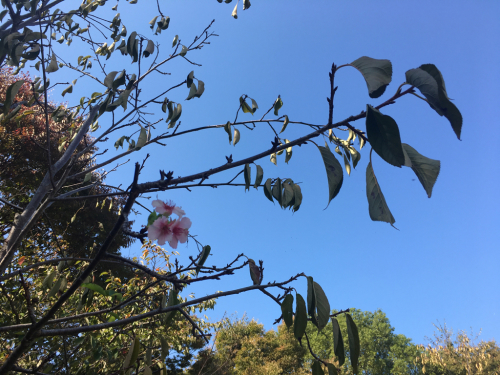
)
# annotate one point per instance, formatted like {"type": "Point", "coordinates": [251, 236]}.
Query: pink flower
{"type": "Point", "coordinates": [161, 230]}
{"type": "Point", "coordinates": [180, 231]}
{"type": "Point", "coordinates": [167, 208]}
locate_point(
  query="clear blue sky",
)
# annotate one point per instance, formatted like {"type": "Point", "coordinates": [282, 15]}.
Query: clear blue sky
{"type": "Point", "coordinates": [443, 263]}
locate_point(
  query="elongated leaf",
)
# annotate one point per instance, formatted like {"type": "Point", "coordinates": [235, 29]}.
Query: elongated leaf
{"type": "Point", "coordinates": [322, 305]}
{"type": "Point", "coordinates": [354, 347]}
{"type": "Point", "coordinates": [383, 134]}
{"type": "Point", "coordinates": [203, 258]}
{"type": "Point", "coordinates": [132, 354]}
{"type": "Point", "coordinates": [268, 190]}
{"type": "Point", "coordinates": [334, 172]}
{"type": "Point", "coordinates": [338, 342]}
{"type": "Point", "coordinates": [68, 89]}
{"type": "Point", "coordinates": [427, 170]}
{"type": "Point", "coordinates": [377, 74]}
{"type": "Point", "coordinates": [164, 348]}
{"type": "Point", "coordinates": [311, 298]}
{"type": "Point", "coordinates": [152, 23]}
{"type": "Point", "coordinates": [10, 95]}
{"type": "Point", "coordinates": [236, 137]}
{"type": "Point", "coordinates": [189, 79]}
{"type": "Point", "coordinates": [119, 80]}
{"type": "Point", "coordinates": [95, 288]}
{"type": "Point", "coordinates": [149, 357]}
{"type": "Point", "coordinates": [446, 107]}
{"type": "Point", "coordinates": [273, 159]}
{"type": "Point", "coordinates": [227, 128]}
{"type": "Point", "coordinates": [287, 196]}
{"type": "Point", "coordinates": [377, 207]}
{"type": "Point", "coordinates": [277, 105]}
{"type": "Point", "coordinates": [192, 91]}
{"type": "Point", "coordinates": [147, 370]}
{"type": "Point", "coordinates": [287, 310]}
{"type": "Point", "coordinates": [285, 124]}
{"type": "Point", "coordinates": [172, 301]}
{"type": "Point", "coordinates": [201, 89]}
{"type": "Point", "coordinates": [143, 138]}
{"type": "Point", "coordinates": [235, 11]}
{"type": "Point", "coordinates": [297, 194]}
{"type": "Point", "coordinates": [277, 190]}
{"type": "Point", "coordinates": [288, 152]}
{"type": "Point", "coordinates": [300, 321]}
{"type": "Point", "coordinates": [247, 172]}
{"type": "Point", "coordinates": [259, 177]}
{"type": "Point", "coordinates": [316, 368]}
{"type": "Point", "coordinates": [174, 42]}
{"type": "Point", "coordinates": [55, 288]}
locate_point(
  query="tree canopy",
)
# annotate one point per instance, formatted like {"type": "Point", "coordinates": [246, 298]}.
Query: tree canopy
{"type": "Point", "coordinates": [63, 307]}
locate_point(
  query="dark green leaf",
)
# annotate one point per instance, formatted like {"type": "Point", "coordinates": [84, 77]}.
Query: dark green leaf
{"type": "Point", "coordinates": [379, 211]}
{"type": "Point", "coordinates": [377, 74]}
{"type": "Point", "coordinates": [338, 342]}
{"type": "Point", "coordinates": [323, 306]}
{"type": "Point", "coordinates": [247, 172]}
{"type": "Point", "coordinates": [316, 368]}
{"type": "Point", "coordinates": [287, 310]}
{"type": "Point", "coordinates": [297, 194]}
{"type": "Point", "coordinates": [268, 190]}
{"type": "Point", "coordinates": [334, 172]}
{"type": "Point", "coordinates": [300, 321]}
{"type": "Point", "coordinates": [332, 370]}
{"type": "Point", "coordinates": [11, 95]}
{"type": "Point", "coordinates": [354, 348]}
{"type": "Point", "coordinates": [246, 4]}
{"type": "Point", "coordinates": [164, 348]}
{"type": "Point", "coordinates": [95, 288]}
{"type": "Point", "coordinates": [201, 89]}
{"type": "Point", "coordinates": [119, 80]}
{"type": "Point", "coordinates": [132, 354]}
{"type": "Point", "coordinates": [311, 298]}
{"type": "Point", "coordinates": [383, 134]}
{"type": "Point", "coordinates": [277, 190]}
{"type": "Point", "coordinates": [446, 107]}
{"type": "Point", "coordinates": [108, 81]}
{"type": "Point", "coordinates": [203, 258]}
{"type": "Point", "coordinates": [172, 301]}
{"type": "Point", "coordinates": [189, 79]}
{"type": "Point", "coordinates": [192, 91]}
{"type": "Point", "coordinates": [130, 43]}
{"type": "Point", "coordinates": [259, 177]}
{"type": "Point", "coordinates": [427, 170]}
{"type": "Point", "coordinates": [287, 197]}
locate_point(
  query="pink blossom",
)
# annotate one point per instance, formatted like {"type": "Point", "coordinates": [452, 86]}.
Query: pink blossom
{"type": "Point", "coordinates": [167, 208]}
{"type": "Point", "coordinates": [180, 231]}
{"type": "Point", "coordinates": [161, 230]}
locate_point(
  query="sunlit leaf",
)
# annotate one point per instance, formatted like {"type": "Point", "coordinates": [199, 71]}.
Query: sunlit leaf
{"type": "Point", "coordinates": [236, 137]}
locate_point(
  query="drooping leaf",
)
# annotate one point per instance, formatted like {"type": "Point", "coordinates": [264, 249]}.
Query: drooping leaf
{"type": "Point", "coordinates": [273, 158]}
{"type": "Point", "coordinates": [277, 190]}
{"type": "Point", "coordinates": [287, 310]}
{"type": "Point", "coordinates": [149, 48]}
{"type": "Point", "coordinates": [235, 11]}
{"type": "Point", "coordinates": [147, 370]}
{"type": "Point", "coordinates": [55, 288]}
{"type": "Point", "coordinates": [334, 172]}
{"type": "Point", "coordinates": [236, 137]}
{"type": "Point", "coordinates": [347, 165]}
{"type": "Point", "coordinates": [52, 67]}
{"type": "Point", "coordinates": [259, 177]}
{"type": "Point", "coordinates": [203, 258]}
{"type": "Point", "coordinates": [322, 305]}
{"type": "Point", "coordinates": [287, 196]}
{"type": "Point", "coordinates": [267, 190]}
{"type": "Point", "coordinates": [246, 4]}
{"type": "Point", "coordinates": [132, 354]}
{"type": "Point", "coordinates": [172, 301]}
{"type": "Point", "coordinates": [227, 128]}
{"type": "Point", "coordinates": [152, 23]}
{"type": "Point", "coordinates": [426, 169]}
{"type": "Point", "coordinates": [174, 42]}
{"type": "Point", "coordinates": [95, 288]}
{"type": "Point", "coordinates": [448, 109]}
{"type": "Point", "coordinates": [300, 321]}
{"type": "Point", "coordinates": [192, 91]}
{"type": "Point", "coordinates": [311, 298]}
{"type": "Point", "coordinates": [377, 207]}
{"type": "Point", "coordinates": [332, 370]}
{"type": "Point", "coordinates": [289, 150]}
{"type": "Point", "coordinates": [285, 124]}
{"type": "Point", "coordinates": [247, 172]}
{"type": "Point", "coordinates": [244, 106]}
{"type": "Point", "coordinates": [316, 368]}
{"type": "Point", "coordinates": [11, 94]}
{"type": "Point", "coordinates": [164, 348]}
{"type": "Point", "coordinates": [377, 74]}
{"type": "Point", "coordinates": [143, 138]}
{"type": "Point", "coordinates": [338, 342]}
{"type": "Point", "coordinates": [254, 105]}
{"type": "Point", "coordinates": [201, 89]}
{"type": "Point", "coordinates": [108, 81]}
{"type": "Point", "coordinates": [297, 194]}
{"type": "Point", "coordinates": [383, 134]}
{"type": "Point", "coordinates": [189, 79]}
{"type": "Point", "coordinates": [183, 52]}
{"type": "Point", "coordinates": [354, 347]}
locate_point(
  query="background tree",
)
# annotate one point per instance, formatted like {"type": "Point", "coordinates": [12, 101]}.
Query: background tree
{"type": "Point", "coordinates": [382, 351]}
{"type": "Point", "coordinates": [459, 354]}
{"type": "Point", "coordinates": [243, 347]}
{"type": "Point", "coordinates": [123, 321]}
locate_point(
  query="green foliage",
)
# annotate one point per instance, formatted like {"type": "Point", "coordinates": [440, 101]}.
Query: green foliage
{"type": "Point", "coordinates": [382, 352]}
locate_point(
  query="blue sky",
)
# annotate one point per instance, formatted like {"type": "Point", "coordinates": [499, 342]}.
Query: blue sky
{"type": "Point", "coordinates": [443, 262]}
